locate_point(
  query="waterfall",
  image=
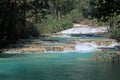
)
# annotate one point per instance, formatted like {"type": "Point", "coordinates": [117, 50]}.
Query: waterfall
{"type": "Point", "coordinates": [80, 38]}
{"type": "Point", "coordinates": [84, 30]}
{"type": "Point", "coordinates": [92, 46]}
{"type": "Point", "coordinates": [85, 47]}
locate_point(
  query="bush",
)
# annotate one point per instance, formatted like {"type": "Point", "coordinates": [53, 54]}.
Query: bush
{"type": "Point", "coordinates": [52, 25]}
{"type": "Point", "coordinates": [114, 32]}
{"type": "Point", "coordinates": [76, 16]}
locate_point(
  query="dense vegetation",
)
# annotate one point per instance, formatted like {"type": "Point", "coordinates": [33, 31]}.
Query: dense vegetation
{"type": "Point", "coordinates": [17, 19]}
{"type": "Point", "coordinates": [31, 18]}
{"type": "Point", "coordinates": [108, 10]}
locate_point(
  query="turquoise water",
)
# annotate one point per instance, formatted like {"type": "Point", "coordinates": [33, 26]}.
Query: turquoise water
{"type": "Point", "coordinates": [74, 38]}
{"type": "Point", "coordinates": [56, 66]}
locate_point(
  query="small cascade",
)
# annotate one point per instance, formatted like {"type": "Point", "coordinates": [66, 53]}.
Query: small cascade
{"type": "Point", "coordinates": [85, 47]}
{"type": "Point", "coordinates": [113, 44]}
{"type": "Point", "coordinates": [85, 30]}
{"type": "Point", "coordinates": [80, 38]}
{"type": "Point", "coordinates": [82, 45]}
{"type": "Point", "coordinates": [94, 45]}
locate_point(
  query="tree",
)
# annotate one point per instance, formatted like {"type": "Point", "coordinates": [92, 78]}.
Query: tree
{"type": "Point", "coordinates": [15, 15]}
{"type": "Point", "coordinates": [104, 9]}
{"type": "Point", "coordinates": [108, 10]}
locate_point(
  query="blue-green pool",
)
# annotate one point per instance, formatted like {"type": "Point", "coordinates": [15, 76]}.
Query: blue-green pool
{"type": "Point", "coordinates": [56, 66]}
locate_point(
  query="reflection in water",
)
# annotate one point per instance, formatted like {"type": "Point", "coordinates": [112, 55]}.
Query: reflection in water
{"type": "Point", "coordinates": [60, 66]}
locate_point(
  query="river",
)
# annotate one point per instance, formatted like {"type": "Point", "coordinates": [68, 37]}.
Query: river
{"type": "Point", "coordinates": [56, 66]}
{"type": "Point", "coordinates": [76, 64]}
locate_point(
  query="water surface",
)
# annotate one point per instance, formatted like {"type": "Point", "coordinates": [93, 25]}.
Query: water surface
{"type": "Point", "coordinates": [56, 66]}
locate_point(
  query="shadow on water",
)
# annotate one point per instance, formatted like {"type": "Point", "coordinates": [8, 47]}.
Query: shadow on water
{"type": "Point", "coordinates": [2, 55]}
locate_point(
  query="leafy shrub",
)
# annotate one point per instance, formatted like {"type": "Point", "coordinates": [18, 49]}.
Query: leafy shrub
{"type": "Point", "coordinates": [51, 24]}
{"type": "Point", "coordinates": [114, 32]}
{"type": "Point", "coordinates": [76, 16]}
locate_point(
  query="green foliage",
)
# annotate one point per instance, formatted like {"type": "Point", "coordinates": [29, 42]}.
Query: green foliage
{"type": "Point", "coordinates": [108, 10]}
{"type": "Point", "coordinates": [114, 32]}
{"type": "Point", "coordinates": [60, 8]}
{"type": "Point", "coordinates": [31, 18]}
{"type": "Point", "coordinates": [51, 24]}
{"type": "Point", "coordinates": [105, 8]}
{"type": "Point", "coordinates": [16, 18]}
{"type": "Point", "coordinates": [76, 16]}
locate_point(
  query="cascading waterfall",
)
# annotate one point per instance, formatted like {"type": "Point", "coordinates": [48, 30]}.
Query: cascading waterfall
{"type": "Point", "coordinates": [84, 30]}
{"type": "Point", "coordinates": [76, 41]}
{"type": "Point", "coordinates": [79, 62]}
{"type": "Point", "coordinates": [91, 46]}
{"type": "Point", "coordinates": [65, 46]}
{"type": "Point", "coordinates": [85, 47]}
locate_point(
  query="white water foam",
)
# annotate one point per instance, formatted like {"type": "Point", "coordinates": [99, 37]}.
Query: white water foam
{"type": "Point", "coordinates": [84, 30]}
{"type": "Point", "coordinates": [91, 46]}
{"type": "Point", "coordinates": [85, 47]}
{"type": "Point", "coordinates": [113, 44]}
